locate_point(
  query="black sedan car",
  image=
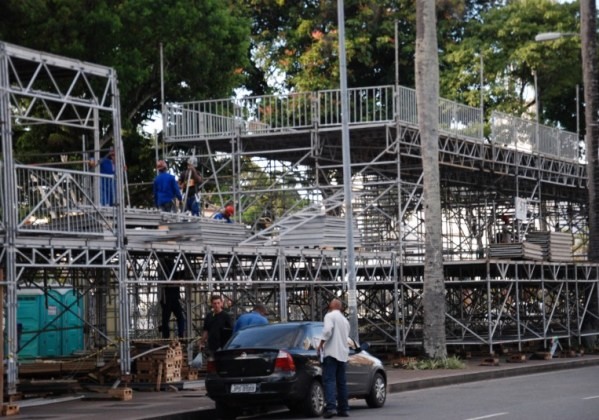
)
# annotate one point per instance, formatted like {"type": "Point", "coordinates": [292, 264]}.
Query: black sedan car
{"type": "Point", "coordinates": [278, 364]}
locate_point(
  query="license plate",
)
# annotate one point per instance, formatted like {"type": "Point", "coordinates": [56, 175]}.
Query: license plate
{"type": "Point", "coordinates": [240, 388]}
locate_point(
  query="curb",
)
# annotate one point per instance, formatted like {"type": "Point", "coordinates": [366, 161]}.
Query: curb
{"type": "Point", "coordinates": [492, 374]}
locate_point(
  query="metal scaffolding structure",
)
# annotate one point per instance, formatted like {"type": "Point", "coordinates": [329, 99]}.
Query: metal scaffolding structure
{"type": "Point", "coordinates": [279, 160]}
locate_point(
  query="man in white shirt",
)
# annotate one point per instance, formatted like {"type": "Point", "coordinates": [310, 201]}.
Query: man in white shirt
{"type": "Point", "coordinates": [334, 354]}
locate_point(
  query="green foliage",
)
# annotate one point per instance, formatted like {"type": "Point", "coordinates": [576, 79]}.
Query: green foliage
{"type": "Point", "coordinates": [205, 45]}
{"type": "Point", "coordinates": [504, 37]}
{"type": "Point", "coordinates": [452, 362]}
{"type": "Point", "coordinates": [300, 39]}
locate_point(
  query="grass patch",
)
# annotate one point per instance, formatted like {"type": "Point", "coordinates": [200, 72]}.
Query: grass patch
{"type": "Point", "coordinates": [452, 362]}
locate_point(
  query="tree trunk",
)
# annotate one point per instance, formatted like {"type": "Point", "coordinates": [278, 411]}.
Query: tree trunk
{"type": "Point", "coordinates": [427, 98]}
{"type": "Point", "coordinates": [588, 34]}
{"type": "Point", "coordinates": [588, 28]}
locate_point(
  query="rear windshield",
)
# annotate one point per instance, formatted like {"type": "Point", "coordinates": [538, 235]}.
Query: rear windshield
{"type": "Point", "coordinates": [279, 336]}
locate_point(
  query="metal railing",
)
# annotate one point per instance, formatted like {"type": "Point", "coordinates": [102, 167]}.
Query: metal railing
{"type": "Point", "coordinates": [369, 105]}
{"type": "Point", "coordinates": [60, 201]}
{"type": "Point", "coordinates": [366, 105]}
{"type": "Point", "coordinates": [526, 135]}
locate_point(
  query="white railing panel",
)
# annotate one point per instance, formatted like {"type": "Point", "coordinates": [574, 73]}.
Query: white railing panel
{"type": "Point", "coordinates": [459, 120]}
{"type": "Point", "coordinates": [522, 134]}
{"type": "Point", "coordinates": [365, 105]}
{"type": "Point", "coordinates": [292, 111]}
{"type": "Point", "coordinates": [200, 119]}
{"type": "Point", "coordinates": [502, 130]}
{"type": "Point", "coordinates": [569, 146]}
{"type": "Point", "coordinates": [549, 139]}
{"type": "Point", "coordinates": [407, 111]}
{"type": "Point", "coordinates": [62, 202]}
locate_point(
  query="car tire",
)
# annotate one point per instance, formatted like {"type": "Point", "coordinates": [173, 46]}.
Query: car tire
{"type": "Point", "coordinates": [378, 391]}
{"type": "Point", "coordinates": [226, 412]}
{"type": "Point", "coordinates": [313, 404]}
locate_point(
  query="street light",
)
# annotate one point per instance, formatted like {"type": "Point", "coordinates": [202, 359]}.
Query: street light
{"type": "Point", "coordinates": [551, 36]}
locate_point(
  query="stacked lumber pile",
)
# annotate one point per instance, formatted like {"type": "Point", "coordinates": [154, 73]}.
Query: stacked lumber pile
{"type": "Point", "coordinates": [158, 363]}
{"type": "Point", "coordinates": [56, 368]}
{"type": "Point", "coordinates": [557, 246]}
{"type": "Point", "coordinates": [320, 231]}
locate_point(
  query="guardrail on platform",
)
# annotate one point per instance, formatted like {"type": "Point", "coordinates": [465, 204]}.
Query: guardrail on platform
{"type": "Point", "coordinates": [526, 135]}
{"type": "Point", "coordinates": [370, 105]}
{"type": "Point", "coordinates": [59, 201]}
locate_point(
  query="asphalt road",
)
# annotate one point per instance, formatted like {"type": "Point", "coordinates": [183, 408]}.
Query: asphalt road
{"type": "Point", "coordinates": [557, 395]}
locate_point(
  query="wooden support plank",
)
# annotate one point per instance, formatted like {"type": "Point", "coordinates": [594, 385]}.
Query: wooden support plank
{"type": "Point", "coordinates": [10, 410]}
{"type": "Point", "coordinates": [159, 377]}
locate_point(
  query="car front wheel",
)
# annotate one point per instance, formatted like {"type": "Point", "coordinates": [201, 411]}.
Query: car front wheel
{"type": "Point", "coordinates": [314, 401]}
{"type": "Point", "coordinates": [378, 392]}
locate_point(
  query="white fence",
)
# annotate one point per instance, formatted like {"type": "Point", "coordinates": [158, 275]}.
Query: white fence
{"type": "Point", "coordinates": [526, 135]}
{"type": "Point", "coordinates": [59, 201]}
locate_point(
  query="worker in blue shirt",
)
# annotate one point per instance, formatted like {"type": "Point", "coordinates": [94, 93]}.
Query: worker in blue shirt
{"type": "Point", "coordinates": [107, 183]}
{"type": "Point", "coordinates": [166, 189]}
{"type": "Point", "coordinates": [256, 317]}
{"type": "Point", "coordinates": [225, 214]}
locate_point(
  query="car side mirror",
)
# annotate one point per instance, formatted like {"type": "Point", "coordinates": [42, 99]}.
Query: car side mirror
{"type": "Point", "coordinates": [363, 346]}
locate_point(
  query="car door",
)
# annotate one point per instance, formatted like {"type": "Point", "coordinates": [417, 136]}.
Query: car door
{"type": "Point", "coordinates": [358, 373]}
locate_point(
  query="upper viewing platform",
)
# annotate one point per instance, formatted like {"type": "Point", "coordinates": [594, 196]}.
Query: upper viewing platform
{"type": "Point", "coordinates": [368, 107]}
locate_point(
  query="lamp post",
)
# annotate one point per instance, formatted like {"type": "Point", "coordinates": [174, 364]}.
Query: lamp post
{"type": "Point", "coordinates": [352, 301]}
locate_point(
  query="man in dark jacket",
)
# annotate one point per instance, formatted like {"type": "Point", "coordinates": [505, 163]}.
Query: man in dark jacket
{"type": "Point", "coordinates": [218, 326]}
{"type": "Point", "coordinates": [170, 303]}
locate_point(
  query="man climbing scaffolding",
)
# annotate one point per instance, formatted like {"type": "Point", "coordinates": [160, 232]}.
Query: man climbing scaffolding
{"type": "Point", "coordinates": [189, 182]}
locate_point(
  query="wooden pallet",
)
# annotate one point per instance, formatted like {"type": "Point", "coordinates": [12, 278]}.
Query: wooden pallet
{"type": "Point", "coordinates": [402, 362]}
{"type": "Point", "coordinates": [122, 394]}
{"type": "Point", "coordinates": [10, 409]}
{"type": "Point", "coordinates": [490, 361]}
{"type": "Point", "coordinates": [517, 358]}
{"type": "Point", "coordinates": [544, 355]}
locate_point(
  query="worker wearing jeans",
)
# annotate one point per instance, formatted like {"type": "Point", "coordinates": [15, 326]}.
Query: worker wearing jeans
{"type": "Point", "coordinates": [335, 352]}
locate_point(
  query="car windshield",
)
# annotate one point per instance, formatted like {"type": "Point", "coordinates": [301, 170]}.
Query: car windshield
{"type": "Point", "coordinates": [272, 336]}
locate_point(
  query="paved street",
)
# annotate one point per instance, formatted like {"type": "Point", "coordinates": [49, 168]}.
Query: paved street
{"type": "Point", "coordinates": [558, 395]}
{"type": "Point", "coordinates": [407, 389]}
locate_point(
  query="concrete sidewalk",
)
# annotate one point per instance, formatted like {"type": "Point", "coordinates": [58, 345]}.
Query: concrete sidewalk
{"type": "Point", "coordinates": [189, 403]}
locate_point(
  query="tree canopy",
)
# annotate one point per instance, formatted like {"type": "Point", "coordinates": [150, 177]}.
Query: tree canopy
{"type": "Point", "coordinates": [299, 39]}
{"type": "Point", "coordinates": [505, 38]}
{"type": "Point", "coordinates": [205, 44]}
